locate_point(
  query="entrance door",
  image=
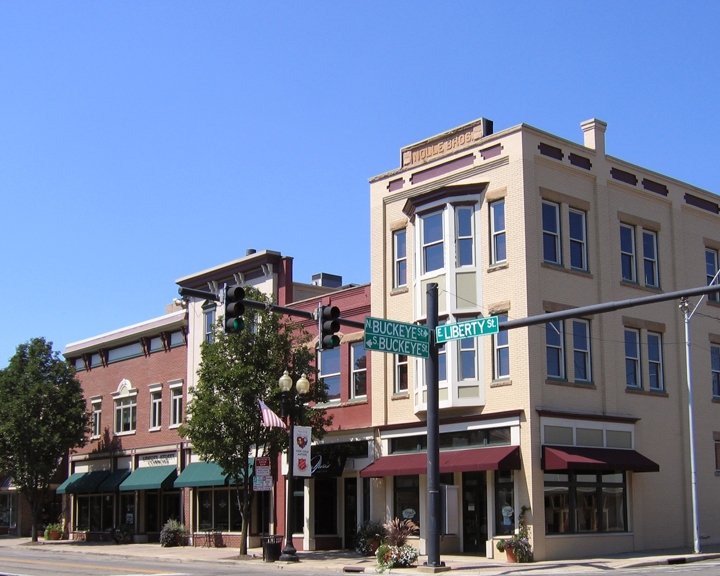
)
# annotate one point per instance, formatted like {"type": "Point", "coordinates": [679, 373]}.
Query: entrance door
{"type": "Point", "coordinates": [350, 512]}
{"type": "Point", "coordinates": [474, 512]}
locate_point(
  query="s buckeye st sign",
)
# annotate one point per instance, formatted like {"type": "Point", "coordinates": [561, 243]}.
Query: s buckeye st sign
{"type": "Point", "coordinates": [396, 337]}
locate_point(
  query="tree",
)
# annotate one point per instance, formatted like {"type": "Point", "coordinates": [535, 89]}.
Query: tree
{"type": "Point", "coordinates": [42, 418]}
{"type": "Point", "coordinates": [223, 422]}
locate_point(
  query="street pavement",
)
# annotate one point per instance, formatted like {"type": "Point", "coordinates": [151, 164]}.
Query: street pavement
{"type": "Point", "coordinates": [338, 561]}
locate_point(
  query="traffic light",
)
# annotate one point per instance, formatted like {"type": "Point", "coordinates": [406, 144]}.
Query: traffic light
{"type": "Point", "coordinates": [234, 309]}
{"type": "Point", "coordinates": [328, 326]}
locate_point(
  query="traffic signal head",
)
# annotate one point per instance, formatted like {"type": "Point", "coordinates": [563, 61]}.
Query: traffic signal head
{"type": "Point", "coordinates": [234, 309]}
{"type": "Point", "coordinates": [328, 326]}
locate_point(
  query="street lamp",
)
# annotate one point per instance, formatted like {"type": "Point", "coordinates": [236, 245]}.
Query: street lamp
{"type": "Point", "coordinates": [291, 408]}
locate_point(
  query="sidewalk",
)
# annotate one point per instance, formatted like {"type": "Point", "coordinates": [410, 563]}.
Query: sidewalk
{"type": "Point", "coordinates": [339, 561]}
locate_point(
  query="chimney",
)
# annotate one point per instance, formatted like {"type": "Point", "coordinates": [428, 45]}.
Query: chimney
{"type": "Point", "coordinates": [594, 132]}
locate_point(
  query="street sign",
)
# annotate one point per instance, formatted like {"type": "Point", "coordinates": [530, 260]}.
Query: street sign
{"type": "Point", "coordinates": [262, 483]}
{"type": "Point", "coordinates": [396, 337]}
{"type": "Point", "coordinates": [262, 466]}
{"type": "Point", "coordinates": [467, 329]}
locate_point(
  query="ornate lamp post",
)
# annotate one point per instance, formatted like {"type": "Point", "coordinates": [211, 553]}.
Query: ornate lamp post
{"type": "Point", "coordinates": [291, 409]}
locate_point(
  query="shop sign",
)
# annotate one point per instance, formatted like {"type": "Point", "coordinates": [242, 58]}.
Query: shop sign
{"type": "Point", "coordinates": [331, 465]}
{"type": "Point", "coordinates": [262, 466]}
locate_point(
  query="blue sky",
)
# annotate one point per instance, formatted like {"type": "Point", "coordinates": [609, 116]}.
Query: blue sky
{"type": "Point", "coordinates": [144, 141]}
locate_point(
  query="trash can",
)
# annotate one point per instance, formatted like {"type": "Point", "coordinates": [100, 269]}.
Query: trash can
{"type": "Point", "coordinates": [272, 547]}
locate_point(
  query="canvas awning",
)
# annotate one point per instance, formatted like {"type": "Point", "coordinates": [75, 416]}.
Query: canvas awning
{"type": "Point", "coordinates": [199, 474]}
{"type": "Point", "coordinates": [582, 458]}
{"type": "Point", "coordinates": [83, 482]}
{"type": "Point", "coordinates": [492, 458]}
{"type": "Point", "coordinates": [150, 478]}
{"type": "Point", "coordinates": [111, 483]}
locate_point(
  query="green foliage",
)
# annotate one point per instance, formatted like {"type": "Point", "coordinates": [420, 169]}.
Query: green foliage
{"type": "Point", "coordinates": [520, 541]}
{"type": "Point", "coordinates": [389, 556]}
{"type": "Point", "coordinates": [224, 422]}
{"type": "Point", "coordinates": [42, 417]}
{"type": "Point", "coordinates": [368, 532]}
{"type": "Point", "coordinates": [122, 534]}
{"type": "Point", "coordinates": [172, 533]}
{"type": "Point", "coordinates": [52, 527]}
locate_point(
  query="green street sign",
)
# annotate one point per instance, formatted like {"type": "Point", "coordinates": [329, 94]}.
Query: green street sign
{"type": "Point", "coordinates": [396, 337]}
{"type": "Point", "coordinates": [467, 329]}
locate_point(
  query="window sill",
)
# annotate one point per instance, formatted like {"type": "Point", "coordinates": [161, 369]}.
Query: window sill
{"type": "Point", "coordinates": [130, 433]}
{"type": "Point", "coordinates": [712, 303]}
{"type": "Point", "coordinates": [174, 426]}
{"type": "Point", "coordinates": [716, 400]}
{"type": "Point", "coordinates": [399, 290]}
{"type": "Point", "coordinates": [498, 266]}
{"type": "Point", "coordinates": [573, 271]}
{"type": "Point", "coordinates": [155, 429]}
{"type": "Point", "coordinates": [641, 392]}
{"type": "Point", "coordinates": [583, 385]}
{"type": "Point", "coordinates": [649, 289]}
{"type": "Point", "coordinates": [400, 396]}
{"type": "Point", "coordinates": [500, 383]}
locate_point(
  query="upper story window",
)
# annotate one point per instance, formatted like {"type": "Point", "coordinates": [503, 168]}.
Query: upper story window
{"type": "Point", "coordinates": [644, 358]}
{"type": "Point", "coordinates": [156, 409]}
{"type": "Point", "coordinates": [711, 268]}
{"type": "Point", "coordinates": [715, 370]}
{"type": "Point", "coordinates": [359, 370]}
{"type": "Point", "coordinates": [401, 373]}
{"type": "Point", "coordinates": [176, 405]}
{"type": "Point", "coordinates": [555, 349]}
{"type": "Point", "coordinates": [498, 251]}
{"type": "Point", "coordinates": [96, 422]}
{"type": "Point", "coordinates": [209, 322]}
{"type": "Point", "coordinates": [655, 361]}
{"type": "Point", "coordinates": [551, 232]}
{"type": "Point", "coordinates": [467, 366]}
{"type": "Point", "coordinates": [578, 239]}
{"type": "Point", "coordinates": [125, 414]}
{"type": "Point", "coordinates": [400, 258]}
{"type": "Point", "coordinates": [330, 372]}
{"type": "Point", "coordinates": [581, 350]}
{"type": "Point", "coordinates": [464, 242]}
{"type": "Point", "coordinates": [650, 258]}
{"type": "Point", "coordinates": [432, 242]}
{"type": "Point", "coordinates": [128, 351]}
{"type": "Point", "coordinates": [501, 352]}
{"type": "Point", "coordinates": [627, 252]}
{"type": "Point", "coordinates": [633, 377]}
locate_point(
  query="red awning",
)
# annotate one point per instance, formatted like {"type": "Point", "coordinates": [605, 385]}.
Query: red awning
{"type": "Point", "coordinates": [579, 458]}
{"type": "Point", "coordinates": [494, 458]}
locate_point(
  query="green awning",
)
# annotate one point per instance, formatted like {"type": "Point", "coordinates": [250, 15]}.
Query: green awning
{"type": "Point", "coordinates": [83, 482]}
{"type": "Point", "coordinates": [150, 478]}
{"type": "Point", "coordinates": [204, 474]}
{"type": "Point", "coordinates": [111, 483]}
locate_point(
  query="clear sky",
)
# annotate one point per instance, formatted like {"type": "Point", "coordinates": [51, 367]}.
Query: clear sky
{"type": "Point", "coordinates": [143, 141]}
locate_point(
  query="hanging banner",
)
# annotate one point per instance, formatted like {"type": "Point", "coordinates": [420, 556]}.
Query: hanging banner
{"type": "Point", "coordinates": [301, 451]}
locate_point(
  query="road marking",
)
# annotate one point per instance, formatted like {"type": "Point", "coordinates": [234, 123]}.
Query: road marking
{"type": "Point", "coordinates": [126, 572]}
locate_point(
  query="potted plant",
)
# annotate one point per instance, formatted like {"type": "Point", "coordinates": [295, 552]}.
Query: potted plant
{"type": "Point", "coordinates": [368, 537]}
{"type": "Point", "coordinates": [396, 552]}
{"type": "Point", "coordinates": [172, 533]}
{"type": "Point", "coordinates": [517, 548]}
{"type": "Point", "coordinates": [53, 531]}
{"type": "Point", "coordinates": [122, 534]}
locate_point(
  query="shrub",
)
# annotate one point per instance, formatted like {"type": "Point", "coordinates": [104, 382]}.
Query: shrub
{"type": "Point", "coordinates": [398, 531]}
{"type": "Point", "coordinates": [368, 532]}
{"type": "Point", "coordinates": [122, 534]}
{"type": "Point", "coordinates": [172, 533]}
{"type": "Point", "coordinates": [395, 556]}
{"type": "Point", "coordinates": [50, 527]}
{"type": "Point", "coordinates": [520, 541]}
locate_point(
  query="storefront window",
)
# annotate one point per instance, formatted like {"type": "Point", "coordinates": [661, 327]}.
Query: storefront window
{"type": "Point", "coordinates": [7, 510]}
{"type": "Point", "coordinates": [205, 520]}
{"type": "Point", "coordinates": [407, 498]}
{"type": "Point", "coordinates": [326, 506]}
{"type": "Point", "coordinates": [504, 502]}
{"type": "Point", "coordinates": [298, 502]}
{"type": "Point", "coordinates": [585, 502]}
{"type": "Point", "coordinates": [218, 510]}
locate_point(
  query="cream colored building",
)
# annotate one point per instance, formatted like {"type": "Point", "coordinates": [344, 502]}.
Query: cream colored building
{"type": "Point", "coordinates": [584, 420]}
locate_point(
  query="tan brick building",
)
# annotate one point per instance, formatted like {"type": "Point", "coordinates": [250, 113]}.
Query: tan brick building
{"type": "Point", "coordinates": [584, 420]}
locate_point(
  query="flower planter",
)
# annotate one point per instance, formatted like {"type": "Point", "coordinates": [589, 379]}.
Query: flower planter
{"type": "Point", "coordinates": [510, 554]}
{"type": "Point", "coordinates": [55, 534]}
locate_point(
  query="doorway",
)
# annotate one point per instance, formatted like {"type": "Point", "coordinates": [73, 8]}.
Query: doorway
{"type": "Point", "coordinates": [350, 512]}
{"type": "Point", "coordinates": [474, 499]}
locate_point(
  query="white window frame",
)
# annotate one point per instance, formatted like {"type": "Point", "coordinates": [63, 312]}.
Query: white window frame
{"type": "Point", "coordinates": [430, 244]}
{"type": "Point", "coordinates": [96, 422]}
{"type": "Point", "coordinates": [651, 272]}
{"type": "Point", "coordinates": [400, 259]}
{"type": "Point", "coordinates": [636, 359]}
{"type": "Point", "coordinates": [324, 375]}
{"type": "Point", "coordinates": [467, 346]}
{"type": "Point", "coordinates": [558, 327]}
{"type": "Point", "coordinates": [464, 237]}
{"type": "Point", "coordinates": [656, 362]}
{"type": "Point", "coordinates": [497, 232]}
{"type": "Point", "coordinates": [123, 404]}
{"type": "Point", "coordinates": [552, 235]}
{"type": "Point", "coordinates": [715, 369]}
{"type": "Point", "coordinates": [580, 352]}
{"type": "Point", "coordinates": [628, 253]}
{"type": "Point", "coordinates": [711, 268]}
{"type": "Point", "coordinates": [176, 403]}
{"type": "Point", "coordinates": [155, 408]}
{"type": "Point", "coordinates": [356, 372]}
{"type": "Point", "coordinates": [401, 365]}
{"type": "Point", "coordinates": [501, 345]}
{"type": "Point", "coordinates": [579, 242]}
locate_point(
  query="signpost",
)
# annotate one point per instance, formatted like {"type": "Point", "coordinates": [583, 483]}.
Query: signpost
{"type": "Point", "coordinates": [396, 337]}
{"type": "Point", "coordinates": [467, 329]}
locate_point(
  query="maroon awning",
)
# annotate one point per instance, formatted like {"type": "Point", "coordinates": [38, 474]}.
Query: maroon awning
{"type": "Point", "coordinates": [493, 458]}
{"type": "Point", "coordinates": [580, 458]}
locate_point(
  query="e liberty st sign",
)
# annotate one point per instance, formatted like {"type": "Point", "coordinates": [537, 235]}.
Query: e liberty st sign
{"type": "Point", "coordinates": [467, 329]}
{"type": "Point", "coordinates": [397, 337]}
